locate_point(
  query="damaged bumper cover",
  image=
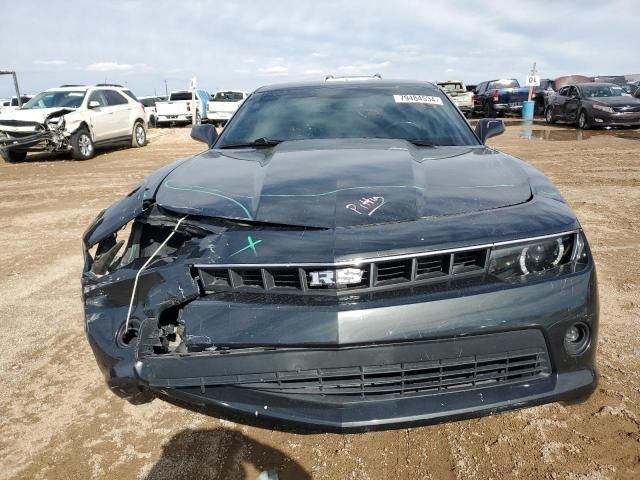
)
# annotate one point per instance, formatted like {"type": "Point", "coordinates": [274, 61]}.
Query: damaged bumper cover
{"type": "Point", "coordinates": [50, 135]}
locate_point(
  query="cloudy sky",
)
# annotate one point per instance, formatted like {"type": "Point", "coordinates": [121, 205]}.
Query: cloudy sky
{"type": "Point", "coordinates": [245, 44]}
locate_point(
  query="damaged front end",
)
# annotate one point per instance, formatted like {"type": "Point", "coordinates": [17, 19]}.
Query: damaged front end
{"type": "Point", "coordinates": [51, 135]}
{"type": "Point", "coordinates": [116, 245]}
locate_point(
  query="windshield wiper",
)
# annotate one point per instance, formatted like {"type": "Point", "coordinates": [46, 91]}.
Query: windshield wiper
{"type": "Point", "coordinates": [420, 143]}
{"type": "Point", "coordinates": [258, 142]}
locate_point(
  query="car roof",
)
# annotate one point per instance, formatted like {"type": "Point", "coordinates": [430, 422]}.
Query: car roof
{"type": "Point", "coordinates": [83, 88]}
{"type": "Point", "coordinates": [349, 85]}
{"type": "Point", "coordinates": [596, 84]}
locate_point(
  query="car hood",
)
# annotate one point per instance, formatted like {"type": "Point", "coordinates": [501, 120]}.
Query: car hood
{"type": "Point", "coordinates": [344, 183]}
{"type": "Point", "coordinates": [615, 101]}
{"type": "Point", "coordinates": [30, 115]}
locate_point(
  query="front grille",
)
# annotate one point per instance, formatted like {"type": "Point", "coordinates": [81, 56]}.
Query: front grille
{"type": "Point", "coordinates": [429, 377]}
{"type": "Point", "coordinates": [469, 261]}
{"type": "Point", "coordinates": [249, 278]}
{"type": "Point", "coordinates": [393, 272]}
{"type": "Point", "coordinates": [627, 109]}
{"type": "Point", "coordinates": [334, 280]}
{"type": "Point", "coordinates": [286, 278]}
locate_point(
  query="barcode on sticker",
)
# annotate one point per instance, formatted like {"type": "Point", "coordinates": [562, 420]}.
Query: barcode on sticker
{"type": "Point", "coordinates": [429, 99]}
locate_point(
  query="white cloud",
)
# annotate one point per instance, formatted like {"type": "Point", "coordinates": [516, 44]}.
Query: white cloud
{"type": "Point", "coordinates": [312, 71]}
{"type": "Point", "coordinates": [363, 68]}
{"type": "Point", "coordinates": [275, 71]}
{"type": "Point", "coordinates": [50, 62]}
{"type": "Point", "coordinates": [115, 67]}
{"type": "Point", "coordinates": [319, 55]}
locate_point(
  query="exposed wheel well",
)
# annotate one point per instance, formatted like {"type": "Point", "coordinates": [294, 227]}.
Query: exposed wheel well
{"type": "Point", "coordinates": [84, 126]}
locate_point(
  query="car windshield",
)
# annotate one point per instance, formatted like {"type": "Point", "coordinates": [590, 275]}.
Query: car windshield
{"type": "Point", "coordinates": [510, 83]}
{"type": "Point", "coordinates": [452, 87]}
{"type": "Point", "coordinates": [227, 97]}
{"type": "Point", "coordinates": [59, 99]}
{"type": "Point", "coordinates": [130, 94]}
{"type": "Point", "coordinates": [597, 91]}
{"type": "Point", "coordinates": [148, 102]}
{"type": "Point", "coordinates": [412, 112]}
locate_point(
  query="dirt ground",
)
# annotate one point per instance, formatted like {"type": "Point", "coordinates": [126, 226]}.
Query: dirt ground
{"type": "Point", "coordinates": [58, 420]}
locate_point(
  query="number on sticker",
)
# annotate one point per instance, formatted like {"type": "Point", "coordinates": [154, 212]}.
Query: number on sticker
{"type": "Point", "coordinates": [428, 99]}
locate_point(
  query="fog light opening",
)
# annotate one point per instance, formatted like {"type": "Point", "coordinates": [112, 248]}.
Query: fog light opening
{"type": "Point", "coordinates": [126, 337]}
{"type": "Point", "coordinates": [577, 338]}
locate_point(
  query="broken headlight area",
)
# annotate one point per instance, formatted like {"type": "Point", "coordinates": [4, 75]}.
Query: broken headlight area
{"type": "Point", "coordinates": [136, 242]}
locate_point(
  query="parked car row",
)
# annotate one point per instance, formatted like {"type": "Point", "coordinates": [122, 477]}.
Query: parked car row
{"type": "Point", "coordinates": [577, 99]}
{"type": "Point", "coordinates": [594, 104]}
{"type": "Point", "coordinates": [180, 108]}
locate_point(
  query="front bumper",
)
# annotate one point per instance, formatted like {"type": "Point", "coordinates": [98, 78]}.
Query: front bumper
{"type": "Point", "coordinates": [319, 389]}
{"type": "Point", "coordinates": [616, 119]}
{"type": "Point", "coordinates": [385, 338]}
{"type": "Point", "coordinates": [173, 118]}
{"type": "Point", "coordinates": [220, 116]}
{"type": "Point", "coordinates": [515, 107]}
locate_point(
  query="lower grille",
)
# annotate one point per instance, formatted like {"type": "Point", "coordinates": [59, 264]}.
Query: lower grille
{"type": "Point", "coordinates": [437, 376]}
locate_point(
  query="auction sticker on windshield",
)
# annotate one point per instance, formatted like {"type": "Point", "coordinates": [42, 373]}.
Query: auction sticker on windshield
{"type": "Point", "coordinates": [428, 99]}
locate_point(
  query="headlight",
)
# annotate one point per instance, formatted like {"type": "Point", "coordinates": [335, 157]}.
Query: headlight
{"type": "Point", "coordinates": [536, 257]}
{"type": "Point", "coordinates": [603, 108]}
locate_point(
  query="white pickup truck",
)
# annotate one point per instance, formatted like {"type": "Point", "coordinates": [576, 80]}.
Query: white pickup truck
{"type": "Point", "coordinates": [224, 104]}
{"type": "Point", "coordinates": [10, 104]}
{"type": "Point", "coordinates": [456, 90]}
{"type": "Point", "coordinates": [180, 108]}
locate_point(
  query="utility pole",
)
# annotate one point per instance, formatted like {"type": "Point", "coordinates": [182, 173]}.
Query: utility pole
{"type": "Point", "coordinates": [166, 91]}
{"type": "Point", "coordinates": [534, 72]}
{"type": "Point", "coordinates": [193, 85]}
{"type": "Point", "coordinates": [15, 84]}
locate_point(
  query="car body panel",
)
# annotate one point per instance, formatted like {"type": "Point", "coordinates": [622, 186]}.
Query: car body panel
{"type": "Point", "coordinates": [402, 183]}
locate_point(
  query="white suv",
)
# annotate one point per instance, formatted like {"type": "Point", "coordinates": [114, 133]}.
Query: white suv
{"type": "Point", "coordinates": [73, 118]}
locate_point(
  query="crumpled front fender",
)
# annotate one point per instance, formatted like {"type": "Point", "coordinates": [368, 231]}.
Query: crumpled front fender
{"type": "Point", "coordinates": [127, 208]}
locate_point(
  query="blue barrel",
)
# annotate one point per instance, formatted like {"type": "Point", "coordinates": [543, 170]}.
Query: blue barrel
{"type": "Point", "coordinates": [527, 110]}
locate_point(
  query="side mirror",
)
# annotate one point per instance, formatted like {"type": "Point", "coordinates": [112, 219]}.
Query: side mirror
{"type": "Point", "coordinates": [94, 104]}
{"type": "Point", "coordinates": [489, 127]}
{"type": "Point", "coordinates": [206, 133]}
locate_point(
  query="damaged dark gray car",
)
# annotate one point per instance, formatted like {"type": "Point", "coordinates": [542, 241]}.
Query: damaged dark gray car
{"type": "Point", "coordinates": [345, 256]}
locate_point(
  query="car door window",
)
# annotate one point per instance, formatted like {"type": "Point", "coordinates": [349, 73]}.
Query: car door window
{"type": "Point", "coordinates": [563, 91]}
{"type": "Point", "coordinates": [114, 98]}
{"type": "Point", "coordinates": [98, 96]}
{"type": "Point", "coordinates": [573, 92]}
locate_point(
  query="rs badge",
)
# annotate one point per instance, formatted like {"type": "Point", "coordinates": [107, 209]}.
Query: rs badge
{"type": "Point", "coordinates": [343, 276]}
